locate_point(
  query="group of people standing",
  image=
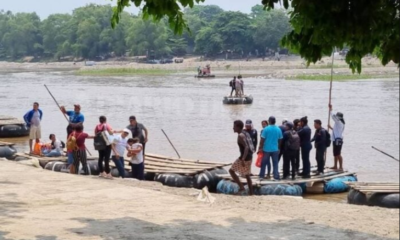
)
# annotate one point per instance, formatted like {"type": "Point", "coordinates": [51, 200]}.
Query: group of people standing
{"type": "Point", "coordinates": [111, 144]}
{"type": "Point", "coordinates": [237, 85]}
{"type": "Point", "coordinates": [293, 141]}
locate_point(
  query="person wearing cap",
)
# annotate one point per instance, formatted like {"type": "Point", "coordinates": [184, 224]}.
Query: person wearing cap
{"type": "Point", "coordinates": [291, 145]}
{"type": "Point", "coordinates": [75, 117]}
{"type": "Point", "coordinates": [249, 128]}
{"type": "Point", "coordinates": [338, 130]}
{"type": "Point", "coordinates": [120, 144]}
{"type": "Point", "coordinates": [270, 143]}
{"type": "Point", "coordinates": [305, 132]}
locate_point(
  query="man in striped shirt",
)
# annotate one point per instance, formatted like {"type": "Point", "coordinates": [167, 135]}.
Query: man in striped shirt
{"type": "Point", "coordinates": [338, 130]}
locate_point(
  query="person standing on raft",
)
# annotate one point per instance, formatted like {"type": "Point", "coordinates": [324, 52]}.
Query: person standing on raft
{"type": "Point", "coordinates": [242, 165]}
{"type": "Point", "coordinates": [338, 130]}
{"type": "Point", "coordinates": [320, 139]}
{"type": "Point", "coordinates": [75, 118]}
{"type": "Point", "coordinates": [232, 84]}
{"type": "Point", "coordinates": [305, 132]}
{"type": "Point", "coordinates": [33, 119]}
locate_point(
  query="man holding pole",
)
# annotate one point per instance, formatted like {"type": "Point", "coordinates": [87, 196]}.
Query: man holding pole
{"type": "Point", "coordinates": [338, 130]}
{"type": "Point", "coordinates": [75, 117]}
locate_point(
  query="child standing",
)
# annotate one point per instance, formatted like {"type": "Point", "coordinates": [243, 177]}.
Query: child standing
{"type": "Point", "coordinates": [135, 152]}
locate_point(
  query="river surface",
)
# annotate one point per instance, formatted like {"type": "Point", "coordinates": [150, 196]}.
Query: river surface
{"type": "Point", "coordinates": [200, 126]}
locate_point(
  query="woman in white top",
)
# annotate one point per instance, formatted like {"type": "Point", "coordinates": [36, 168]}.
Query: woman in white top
{"type": "Point", "coordinates": [338, 130]}
{"type": "Point", "coordinates": [135, 152]}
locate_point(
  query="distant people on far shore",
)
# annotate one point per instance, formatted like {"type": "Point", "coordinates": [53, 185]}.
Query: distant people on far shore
{"type": "Point", "coordinates": [338, 130]}
{"type": "Point", "coordinates": [33, 120]}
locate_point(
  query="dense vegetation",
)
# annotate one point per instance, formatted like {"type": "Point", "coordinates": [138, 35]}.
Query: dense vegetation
{"type": "Point", "coordinates": [365, 27]}
{"type": "Point", "coordinates": [88, 34]}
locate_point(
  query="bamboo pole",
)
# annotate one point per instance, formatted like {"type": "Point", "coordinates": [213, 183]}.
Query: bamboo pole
{"type": "Point", "coordinates": [330, 94]}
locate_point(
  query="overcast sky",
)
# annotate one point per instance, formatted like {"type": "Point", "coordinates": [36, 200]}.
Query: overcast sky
{"type": "Point", "coordinates": [46, 7]}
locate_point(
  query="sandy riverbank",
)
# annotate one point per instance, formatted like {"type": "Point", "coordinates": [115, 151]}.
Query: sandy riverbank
{"type": "Point", "coordinates": [38, 204]}
{"type": "Point", "coordinates": [286, 68]}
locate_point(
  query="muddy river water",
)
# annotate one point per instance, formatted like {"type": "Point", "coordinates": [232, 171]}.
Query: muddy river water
{"type": "Point", "coordinates": [200, 126]}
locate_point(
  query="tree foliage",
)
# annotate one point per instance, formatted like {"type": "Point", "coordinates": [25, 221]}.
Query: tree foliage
{"type": "Point", "coordinates": [87, 33]}
{"type": "Point", "coordinates": [362, 26]}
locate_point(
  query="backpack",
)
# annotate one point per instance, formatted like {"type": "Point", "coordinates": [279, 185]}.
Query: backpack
{"type": "Point", "coordinates": [62, 144]}
{"type": "Point", "coordinates": [99, 141]}
{"type": "Point", "coordinates": [231, 83]}
{"type": "Point", "coordinates": [294, 141]}
{"type": "Point", "coordinates": [249, 141]}
{"type": "Point", "coordinates": [328, 139]}
{"type": "Point", "coordinates": [71, 143]}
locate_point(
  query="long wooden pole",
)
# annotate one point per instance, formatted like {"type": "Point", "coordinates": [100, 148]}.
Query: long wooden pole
{"type": "Point", "coordinates": [59, 107]}
{"type": "Point", "coordinates": [385, 154]}
{"type": "Point", "coordinates": [330, 93]}
{"type": "Point", "coordinates": [171, 144]}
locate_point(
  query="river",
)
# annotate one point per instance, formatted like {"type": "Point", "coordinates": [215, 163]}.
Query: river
{"type": "Point", "coordinates": [200, 126]}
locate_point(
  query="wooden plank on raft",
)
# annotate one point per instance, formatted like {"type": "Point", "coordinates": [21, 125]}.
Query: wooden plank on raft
{"type": "Point", "coordinates": [162, 170]}
{"type": "Point", "coordinates": [199, 168]}
{"type": "Point", "coordinates": [183, 163]}
{"type": "Point", "coordinates": [183, 160]}
{"type": "Point", "coordinates": [6, 144]}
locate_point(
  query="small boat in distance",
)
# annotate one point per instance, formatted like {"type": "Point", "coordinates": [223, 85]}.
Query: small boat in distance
{"type": "Point", "coordinates": [205, 76]}
{"type": "Point", "coordinates": [238, 100]}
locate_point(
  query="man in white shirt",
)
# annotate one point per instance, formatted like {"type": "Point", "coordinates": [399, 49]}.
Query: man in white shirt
{"type": "Point", "coordinates": [135, 152]}
{"type": "Point", "coordinates": [119, 145]}
{"type": "Point", "coordinates": [33, 119]}
{"type": "Point", "coordinates": [338, 130]}
{"type": "Point", "coordinates": [56, 147]}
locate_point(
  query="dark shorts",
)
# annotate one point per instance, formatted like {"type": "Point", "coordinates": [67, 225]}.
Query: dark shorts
{"type": "Point", "coordinates": [337, 149]}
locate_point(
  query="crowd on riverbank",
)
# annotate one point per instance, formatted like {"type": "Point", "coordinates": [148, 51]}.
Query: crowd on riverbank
{"type": "Point", "coordinates": [290, 140]}
{"type": "Point", "coordinates": [110, 143]}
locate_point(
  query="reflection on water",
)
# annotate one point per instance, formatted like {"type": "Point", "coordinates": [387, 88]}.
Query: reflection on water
{"type": "Point", "coordinates": [200, 126]}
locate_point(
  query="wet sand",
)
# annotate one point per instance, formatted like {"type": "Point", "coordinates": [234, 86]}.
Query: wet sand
{"type": "Point", "coordinates": [39, 204]}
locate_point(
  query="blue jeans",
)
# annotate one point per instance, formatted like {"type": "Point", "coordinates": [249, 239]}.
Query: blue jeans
{"type": "Point", "coordinates": [266, 162]}
{"type": "Point", "coordinates": [70, 160]}
{"type": "Point", "coordinates": [120, 164]}
{"type": "Point", "coordinates": [52, 153]}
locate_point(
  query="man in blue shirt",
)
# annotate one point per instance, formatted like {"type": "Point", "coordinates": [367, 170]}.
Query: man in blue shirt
{"type": "Point", "coordinates": [33, 120]}
{"type": "Point", "coordinates": [75, 118]}
{"type": "Point", "coordinates": [271, 139]}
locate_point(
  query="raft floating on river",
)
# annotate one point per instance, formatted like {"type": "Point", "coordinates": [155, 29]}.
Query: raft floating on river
{"type": "Point", "coordinates": [11, 127]}
{"type": "Point", "coordinates": [204, 76]}
{"type": "Point", "coordinates": [386, 195]}
{"type": "Point", "coordinates": [238, 100]}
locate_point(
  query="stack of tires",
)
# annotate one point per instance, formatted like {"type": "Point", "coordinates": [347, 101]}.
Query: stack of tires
{"type": "Point", "coordinates": [63, 167]}
{"type": "Point", "coordinates": [384, 200]}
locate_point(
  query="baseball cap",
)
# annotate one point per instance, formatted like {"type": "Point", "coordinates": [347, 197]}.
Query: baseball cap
{"type": "Point", "coordinates": [126, 130]}
{"type": "Point", "coordinates": [289, 125]}
{"type": "Point", "coordinates": [77, 106]}
{"type": "Point", "coordinates": [249, 122]}
{"type": "Point", "coordinates": [285, 120]}
{"type": "Point", "coordinates": [340, 115]}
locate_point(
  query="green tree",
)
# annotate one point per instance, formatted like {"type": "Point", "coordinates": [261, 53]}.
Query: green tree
{"type": "Point", "coordinates": [208, 42]}
{"type": "Point", "coordinates": [56, 30]}
{"type": "Point", "coordinates": [147, 36]}
{"type": "Point", "coordinates": [270, 27]}
{"type": "Point", "coordinates": [363, 26]}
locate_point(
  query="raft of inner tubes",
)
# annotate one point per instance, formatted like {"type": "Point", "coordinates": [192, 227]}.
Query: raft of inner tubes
{"type": "Point", "coordinates": [63, 167]}
{"type": "Point", "coordinates": [7, 152]}
{"type": "Point", "coordinates": [238, 100]}
{"type": "Point", "coordinates": [384, 200]}
{"type": "Point", "coordinates": [338, 185]}
{"type": "Point", "coordinates": [208, 179]}
{"type": "Point", "coordinates": [231, 188]}
{"type": "Point", "coordinates": [12, 131]}
{"type": "Point", "coordinates": [204, 76]}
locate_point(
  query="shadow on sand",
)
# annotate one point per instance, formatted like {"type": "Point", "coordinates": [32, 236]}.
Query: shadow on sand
{"type": "Point", "coordinates": [135, 229]}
